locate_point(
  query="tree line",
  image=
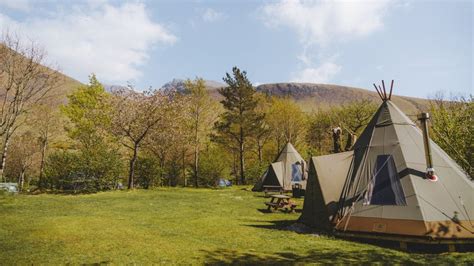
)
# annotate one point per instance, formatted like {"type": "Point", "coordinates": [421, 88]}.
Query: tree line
{"type": "Point", "coordinates": [125, 138]}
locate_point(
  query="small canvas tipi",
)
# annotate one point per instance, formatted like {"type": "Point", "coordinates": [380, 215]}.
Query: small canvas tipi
{"type": "Point", "coordinates": [287, 168]}
{"type": "Point", "coordinates": [383, 186]}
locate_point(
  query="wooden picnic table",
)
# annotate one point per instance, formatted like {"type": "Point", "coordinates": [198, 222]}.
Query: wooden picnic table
{"type": "Point", "coordinates": [269, 189]}
{"type": "Point", "coordinates": [280, 202]}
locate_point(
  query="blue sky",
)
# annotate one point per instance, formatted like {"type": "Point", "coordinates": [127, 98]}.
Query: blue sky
{"type": "Point", "coordinates": [426, 46]}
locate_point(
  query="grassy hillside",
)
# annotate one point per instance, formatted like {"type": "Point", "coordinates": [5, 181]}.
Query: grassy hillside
{"type": "Point", "coordinates": [314, 96]}
{"type": "Point", "coordinates": [172, 225]}
{"type": "Point", "coordinates": [58, 94]}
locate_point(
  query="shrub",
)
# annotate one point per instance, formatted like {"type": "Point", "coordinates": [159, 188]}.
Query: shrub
{"type": "Point", "coordinates": [83, 172]}
{"type": "Point", "coordinates": [148, 172]}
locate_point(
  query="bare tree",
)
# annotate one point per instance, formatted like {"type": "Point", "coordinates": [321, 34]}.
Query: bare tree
{"type": "Point", "coordinates": [134, 115]}
{"type": "Point", "coordinates": [202, 112]}
{"type": "Point", "coordinates": [24, 147]}
{"type": "Point", "coordinates": [46, 122]}
{"type": "Point", "coordinates": [170, 139]}
{"type": "Point", "coordinates": [24, 81]}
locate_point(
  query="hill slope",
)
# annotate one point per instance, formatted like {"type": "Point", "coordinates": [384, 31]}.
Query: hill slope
{"type": "Point", "coordinates": [314, 96]}
{"type": "Point", "coordinates": [58, 94]}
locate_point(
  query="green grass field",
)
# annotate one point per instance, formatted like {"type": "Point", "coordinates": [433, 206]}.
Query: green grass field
{"type": "Point", "coordinates": [172, 225]}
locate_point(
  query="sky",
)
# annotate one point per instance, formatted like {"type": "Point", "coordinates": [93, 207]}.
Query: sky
{"type": "Point", "coordinates": [425, 46]}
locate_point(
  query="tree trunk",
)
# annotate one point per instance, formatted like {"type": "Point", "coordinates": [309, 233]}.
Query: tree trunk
{"type": "Point", "coordinates": [132, 166]}
{"type": "Point", "coordinates": [260, 155]}
{"type": "Point", "coordinates": [183, 167]}
{"type": "Point", "coordinates": [21, 182]}
{"type": "Point", "coordinates": [336, 136]}
{"type": "Point", "coordinates": [242, 160]}
{"type": "Point", "coordinates": [196, 166]}
{"type": "Point", "coordinates": [4, 157]}
{"type": "Point", "coordinates": [44, 144]}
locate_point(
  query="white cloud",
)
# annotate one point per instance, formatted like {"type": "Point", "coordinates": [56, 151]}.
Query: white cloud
{"type": "Point", "coordinates": [22, 5]}
{"type": "Point", "coordinates": [322, 74]}
{"type": "Point", "coordinates": [211, 15]}
{"type": "Point", "coordinates": [321, 22]}
{"type": "Point", "coordinates": [111, 41]}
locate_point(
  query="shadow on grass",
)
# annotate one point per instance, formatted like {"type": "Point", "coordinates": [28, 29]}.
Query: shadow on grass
{"type": "Point", "coordinates": [279, 211]}
{"type": "Point", "coordinates": [324, 256]}
{"type": "Point", "coordinates": [274, 225]}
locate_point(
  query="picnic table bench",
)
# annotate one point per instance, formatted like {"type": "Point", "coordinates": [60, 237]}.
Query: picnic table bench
{"type": "Point", "coordinates": [272, 189]}
{"type": "Point", "coordinates": [282, 202]}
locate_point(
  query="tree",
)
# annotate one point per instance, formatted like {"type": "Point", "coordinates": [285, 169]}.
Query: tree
{"type": "Point", "coordinates": [452, 128]}
{"type": "Point", "coordinates": [25, 82]}
{"type": "Point", "coordinates": [95, 154]}
{"type": "Point", "coordinates": [355, 116]}
{"type": "Point", "coordinates": [88, 111]}
{"type": "Point", "coordinates": [170, 139]}
{"type": "Point", "coordinates": [47, 123]}
{"type": "Point", "coordinates": [202, 114]}
{"type": "Point", "coordinates": [134, 115]}
{"type": "Point", "coordinates": [24, 148]}
{"type": "Point", "coordinates": [286, 121]}
{"type": "Point", "coordinates": [263, 133]}
{"type": "Point", "coordinates": [319, 132]}
{"type": "Point", "coordinates": [240, 120]}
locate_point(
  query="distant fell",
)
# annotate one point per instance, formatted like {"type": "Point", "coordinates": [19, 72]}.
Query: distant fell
{"type": "Point", "coordinates": [320, 96]}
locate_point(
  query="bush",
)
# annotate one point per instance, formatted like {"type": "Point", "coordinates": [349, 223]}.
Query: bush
{"type": "Point", "coordinates": [82, 172]}
{"type": "Point", "coordinates": [213, 164]}
{"type": "Point", "coordinates": [148, 172]}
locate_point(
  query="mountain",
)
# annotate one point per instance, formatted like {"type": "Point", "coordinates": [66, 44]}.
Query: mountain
{"type": "Point", "coordinates": [178, 85]}
{"type": "Point", "coordinates": [314, 96]}
{"type": "Point", "coordinates": [65, 84]}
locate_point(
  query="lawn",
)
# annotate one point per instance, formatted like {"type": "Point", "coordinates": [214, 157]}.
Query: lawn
{"type": "Point", "coordinates": [172, 225]}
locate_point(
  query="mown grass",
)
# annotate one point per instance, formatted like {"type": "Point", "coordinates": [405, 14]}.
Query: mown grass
{"type": "Point", "coordinates": [172, 225]}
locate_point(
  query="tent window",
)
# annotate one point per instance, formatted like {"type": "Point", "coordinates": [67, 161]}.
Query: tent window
{"type": "Point", "coordinates": [296, 173]}
{"type": "Point", "coordinates": [385, 188]}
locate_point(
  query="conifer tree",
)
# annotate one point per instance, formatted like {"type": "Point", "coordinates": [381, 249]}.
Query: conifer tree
{"type": "Point", "coordinates": [240, 120]}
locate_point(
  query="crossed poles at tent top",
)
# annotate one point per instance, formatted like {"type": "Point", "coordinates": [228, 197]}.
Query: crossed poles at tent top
{"type": "Point", "coordinates": [382, 92]}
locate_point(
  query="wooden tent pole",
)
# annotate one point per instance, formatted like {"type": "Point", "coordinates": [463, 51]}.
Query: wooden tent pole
{"type": "Point", "coordinates": [384, 95]}
{"type": "Point", "coordinates": [380, 95]}
{"type": "Point", "coordinates": [391, 88]}
{"type": "Point", "coordinates": [384, 90]}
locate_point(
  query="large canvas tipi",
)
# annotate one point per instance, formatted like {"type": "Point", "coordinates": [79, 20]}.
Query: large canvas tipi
{"type": "Point", "coordinates": [287, 168]}
{"type": "Point", "coordinates": [385, 188]}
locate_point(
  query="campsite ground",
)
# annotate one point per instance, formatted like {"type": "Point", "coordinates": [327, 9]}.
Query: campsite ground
{"type": "Point", "coordinates": [172, 225]}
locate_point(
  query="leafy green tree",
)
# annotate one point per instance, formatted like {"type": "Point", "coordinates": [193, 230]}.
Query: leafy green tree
{"type": "Point", "coordinates": [96, 157]}
{"type": "Point", "coordinates": [452, 127]}
{"type": "Point", "coordinates": [287, 122]}
{"type": "Point", "coordinates": [88, 112]}
{"type": "Point", "coordinates": [239, 121]}
{"type": "Point", "coordinates": [214, 164]}
{"type": "Point", "coordinates": [355, 116]}
{"type": "Point", "coordinates": [319, 132]}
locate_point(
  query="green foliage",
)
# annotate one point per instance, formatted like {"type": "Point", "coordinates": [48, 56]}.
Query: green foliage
{"type": "Point", "coordinates": [355, 116]}
{"type": "Point", "coordinates": [95, 164]}
{"type": "Point", "coordinates": [352, 118]}
{"type": "Point", "coordinates": [148, 173]}
{"type": "Point", "coordinates": [319, 132]}
{"type": "Point", "coordinates": [240, 121]}
{"type": "Point", "coordinates": [287, 121]}
{"type": "Point", "coordinates": [452, 127]}
{"type": "Point", "coordinates": [88, 111]}
{"type": "Point", "coordinates": [83, 172]}
{"type": "Point", "coordinates": [214, 163]}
